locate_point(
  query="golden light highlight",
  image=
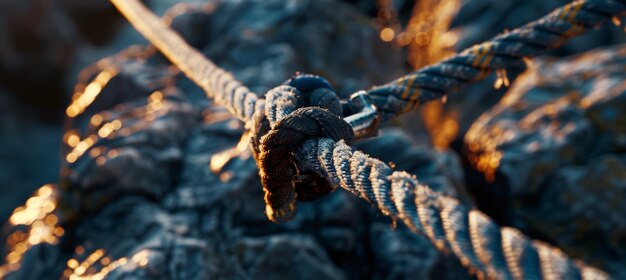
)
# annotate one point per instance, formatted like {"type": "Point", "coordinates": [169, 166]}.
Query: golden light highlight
{"type": "Point", "coordinates": [82, 100]}
{"type": "Point", "coordinates": [428, 27]}
{"type": "Point", "coordinates": [387, 18]}
{"type": "Point", "coordinates": [431, 41]}
{"type": "Point", "coordinates": [98, 260]}
{"type": "Point", "coordinates": [616, 21]}
{"type": "Point", "coordinates": [155, 101]}
{"type": "Point", "coordinates": [109, 128]}
{"type": "Point", "coordinates": [81, 148]}
{"type": "Point", "coordinates": [387, 34]}
{"type": "Point", "coordinates": [442, 126]}
{"type": "Point", "coordinates": [487, 163]}
{"type": "Point", "coordinates": [96, 120]}
{"type": "Point", "coordinates": [154, 108]}
{"type": "Point", "coordinates": [503, 79]}
{"type": "Point", "coordinates": [36, 223]}
{"type": "Point", "coordinates": [219, 160]}
{"type": "Point", "coordinates": [71, 138]}
{"type": "Point", "coordinates": [483, 151]}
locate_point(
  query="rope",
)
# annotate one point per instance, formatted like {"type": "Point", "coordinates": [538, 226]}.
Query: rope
{"type": "Point", "coordinates": [478, 242]}
{"type": "Point", "coordinates": [284, 128]}
{"type": "Point", "coordinates": [474, 238]}
{"type": "Point", "coordinates": [219, 85]}
{"type": "Point", "coordinates": [504, 51]}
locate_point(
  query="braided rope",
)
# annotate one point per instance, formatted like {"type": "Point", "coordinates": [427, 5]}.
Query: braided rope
{"type": "Point", "coordinates": [475, 239]}
{"type": "Point", "coordinates": [217, 83]}
{"type": "Point", "coordinates": [478, 242]}
{"type": "Point", "coordinates": [504, 51]}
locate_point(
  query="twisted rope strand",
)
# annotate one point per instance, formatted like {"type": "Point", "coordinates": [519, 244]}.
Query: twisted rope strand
{"type": "Point", "coordinates": [217, 83]}
{"type": "Point", "coordinates": [504, 51]}
{"type": "Point", "coordinates": [478, 242]}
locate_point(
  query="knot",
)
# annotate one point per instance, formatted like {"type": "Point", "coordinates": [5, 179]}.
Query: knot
{"type": "Point", "coordinates": [283, 128]}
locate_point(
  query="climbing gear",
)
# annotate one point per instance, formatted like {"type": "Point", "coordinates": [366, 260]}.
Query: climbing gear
{"type": "Point", "coordinates": [322, 153]}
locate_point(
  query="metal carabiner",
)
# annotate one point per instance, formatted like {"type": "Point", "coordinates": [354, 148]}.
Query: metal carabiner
{"type": "Point", "coordinates": [365, 120]}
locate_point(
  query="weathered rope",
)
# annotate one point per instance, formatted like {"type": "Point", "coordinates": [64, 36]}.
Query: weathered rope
{"type": "Point", "coordinates": [282, 129]}
{"type": "Point", "coordinates": [476, 240]}
{"type": "Point", "coordinates": [504, 51]}
{"type": "Point", "coordinates": [219, 85]}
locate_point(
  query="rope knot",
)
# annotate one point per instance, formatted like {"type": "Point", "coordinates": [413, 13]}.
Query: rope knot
{"type": "Point", "coordinates": [305, 107]}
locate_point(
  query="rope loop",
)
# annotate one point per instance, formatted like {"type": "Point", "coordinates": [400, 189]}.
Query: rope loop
{"type": "Point", "coordinates": [305, 107]}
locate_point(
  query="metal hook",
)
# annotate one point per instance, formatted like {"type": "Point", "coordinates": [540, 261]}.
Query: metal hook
{"type": "Point", "coordinates": [365, 121]}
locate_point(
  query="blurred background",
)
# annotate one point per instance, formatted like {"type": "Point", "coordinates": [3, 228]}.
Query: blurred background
{"type": "Point", "coordinates": [525, 151]}
{"type": "Point", "coordinates": [43, 46]}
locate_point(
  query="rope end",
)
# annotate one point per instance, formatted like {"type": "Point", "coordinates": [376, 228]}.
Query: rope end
{"type": "Point", "coordinates": [282, 214]}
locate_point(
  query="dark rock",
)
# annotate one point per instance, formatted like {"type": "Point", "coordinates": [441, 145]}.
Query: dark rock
{"type": "Point", "coordinates": [554, 147]}
{"type": "Point", "coordinates": [586, 200]}
{"type": "Point", "coordinates": [274, 257]}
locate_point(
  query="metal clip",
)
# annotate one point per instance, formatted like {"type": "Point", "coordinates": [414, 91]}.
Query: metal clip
{"type": "Point", "coordinates": [365, 121]}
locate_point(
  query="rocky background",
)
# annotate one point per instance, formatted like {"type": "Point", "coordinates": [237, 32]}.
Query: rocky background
{"type": "Point", "coordinates": [153, 181]}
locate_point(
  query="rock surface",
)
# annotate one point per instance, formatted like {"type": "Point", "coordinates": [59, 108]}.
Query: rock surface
{"type": "Point", "coordinates": [554, 148]}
